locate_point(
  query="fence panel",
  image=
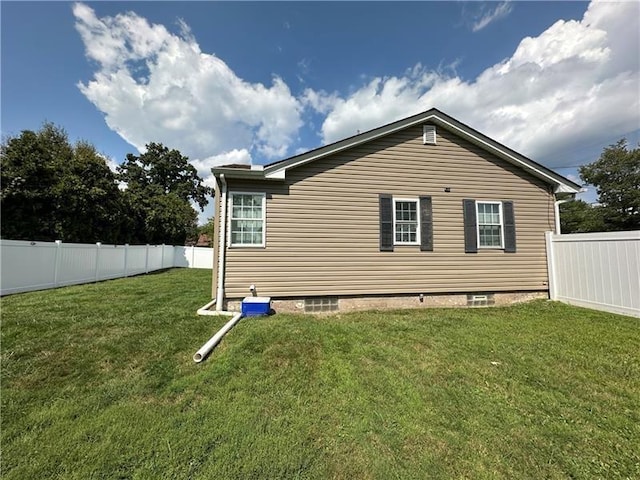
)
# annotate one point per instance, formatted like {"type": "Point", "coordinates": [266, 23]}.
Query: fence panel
{"type": "Point", "coordinates": [111, 260]}
{"type": "Point", "coordinates": [193, 257]}
{"type": "Point", "coordinates": [77, 264]}
{"type": "Point", "coordinates": [27, 266]}
{"type": "Point", "coordinates": [136, 259]}
{"type": "Point", "coordinates": [155, 257]}
{"type": "Point", "coordinates": [167, 256]}
{"type": "Point", "coordinates": [596, 270]}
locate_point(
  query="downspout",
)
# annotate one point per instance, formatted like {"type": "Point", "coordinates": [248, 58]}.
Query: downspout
{"type": "Point", "coordinates": [556, 208]}
{"type": "Point", "coordinates": [556, 212]}
{"type": "Point", "coordinates": [222, 242]}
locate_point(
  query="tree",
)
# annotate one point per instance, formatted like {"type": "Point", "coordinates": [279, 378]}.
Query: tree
{"type": "Point", "coordinates": [616, 176]}
{"type": "Point", "coordinates": [161, 184]}
{"type": "Point", "coordinates": [580, 217]}
{"type": "Point", "coordinates": [162, 171]}
{"type": "Point", "coordinates": [52, 190]}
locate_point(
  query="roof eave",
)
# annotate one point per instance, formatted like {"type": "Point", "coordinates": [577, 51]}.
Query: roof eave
{"type": "Point", "coordinates": [238, 173]}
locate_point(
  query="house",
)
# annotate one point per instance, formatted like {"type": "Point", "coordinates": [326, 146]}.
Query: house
{"type": "Point", "coordinates": [422, 211]}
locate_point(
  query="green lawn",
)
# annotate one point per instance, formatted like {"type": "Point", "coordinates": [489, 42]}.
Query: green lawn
{"type": "Point", "coordinates": [98, 382]}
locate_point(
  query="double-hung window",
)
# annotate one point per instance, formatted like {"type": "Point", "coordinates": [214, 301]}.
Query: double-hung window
{"type": "Point", "coordinates": [406, 221]}
{"type": "Point", "coordinates": [247, 219]}
{"type": "Point", "coordinates": [490, 225]}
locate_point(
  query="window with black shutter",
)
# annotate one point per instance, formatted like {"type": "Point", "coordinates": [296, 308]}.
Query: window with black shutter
{"type": "Point", "coordinates": [405, 221]}
{"type": "Point", "coordinates": [489, 225]}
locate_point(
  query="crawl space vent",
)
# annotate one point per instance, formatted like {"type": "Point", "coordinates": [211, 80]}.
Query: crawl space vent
{"type": "Point", "coordinates": [480, 299]}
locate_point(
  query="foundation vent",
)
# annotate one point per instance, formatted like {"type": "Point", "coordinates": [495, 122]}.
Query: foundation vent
{"type": "Point", "coordinates": [321, 304]}
{"type": "Point", "coordinates": [480, 299]}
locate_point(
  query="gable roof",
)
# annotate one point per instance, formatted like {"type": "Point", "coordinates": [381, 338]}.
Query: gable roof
{"type": "Point", "coordinates": [278, 170]}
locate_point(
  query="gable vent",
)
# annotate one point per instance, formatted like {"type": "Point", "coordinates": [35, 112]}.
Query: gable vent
{"type": "Point", "coordinates": [429, 134]}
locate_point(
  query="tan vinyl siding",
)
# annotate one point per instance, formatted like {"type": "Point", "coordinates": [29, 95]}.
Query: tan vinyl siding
{"type": "Point", "coordinates": [322, 228]}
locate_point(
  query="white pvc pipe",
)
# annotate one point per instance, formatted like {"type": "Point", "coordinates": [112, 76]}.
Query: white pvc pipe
{"type": "Point", "coordinates": [556, 208]}
{"type": "Point", "coordinates": [205, 310]}
{"type": "Point", "coordinates": [213, 341]}
{"type": "Point", "coordinates": [222, 241]}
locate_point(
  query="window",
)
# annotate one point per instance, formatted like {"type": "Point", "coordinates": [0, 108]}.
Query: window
{"type": "Point", "coordinates": [490, 226]}
{"type": "Point", "coordinates": [405, 221]}
{"type": "Point", "coordinates": [247, 219]}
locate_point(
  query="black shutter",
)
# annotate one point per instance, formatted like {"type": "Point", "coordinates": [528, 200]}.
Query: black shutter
{"type": "Point", "coordinates": [426, 225]}
{"type": "Point", "coordinates": [386, 223]}
{"type": "Point", "coordinates": [470, 228]}
{"type": "Point", "coordinates": [509, 227]}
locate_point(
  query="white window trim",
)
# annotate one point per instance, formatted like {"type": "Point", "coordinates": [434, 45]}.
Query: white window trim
{"type": "Point", "coordinates": [493, 202]}
{"type": "Point", "coordinates": [417, 202]}
{"type": "Point", "coordinates": [230, 244]}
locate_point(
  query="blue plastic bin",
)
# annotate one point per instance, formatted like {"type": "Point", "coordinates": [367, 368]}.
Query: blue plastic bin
{"type": "Point", "coordinates": [256, 306]}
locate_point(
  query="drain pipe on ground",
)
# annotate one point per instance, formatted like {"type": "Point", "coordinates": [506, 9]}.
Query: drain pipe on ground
{"type": "Point", "coordinates": [251, 307]}
{"type": "Point", "coordinates": [213, 341]}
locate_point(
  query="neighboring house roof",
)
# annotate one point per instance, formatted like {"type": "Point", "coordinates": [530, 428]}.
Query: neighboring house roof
{"type": "Point", "coordinates": [278, 170]}
{"type": "Point", "coordinates": [204, 240]}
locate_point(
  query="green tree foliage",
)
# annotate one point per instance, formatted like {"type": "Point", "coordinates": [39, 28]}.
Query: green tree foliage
{"type": "Point", "coordinates": [580, 217]}
{"type": "Point", "coordinates": [161, 183]}
{"type": "Point", "coordinates": [616, 176]}
{"type": "Point", "coordinates": [53, 190]}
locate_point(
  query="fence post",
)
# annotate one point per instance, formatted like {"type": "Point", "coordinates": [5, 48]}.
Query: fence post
{"type": "Point", "coordinates": [56, 263]}
{"type": "Point", "coordinates": [146, 260]}
{"type": "Point", "coordinates": [162, 261]}
{"type": "Point", "coordinates": [98, 248]}
{"type": "Point", "coordinates": [551, 267]}
{"type": "Point", "coordinates": [193, 257]}
{"type": "Point", "coordinates": [126, 259]}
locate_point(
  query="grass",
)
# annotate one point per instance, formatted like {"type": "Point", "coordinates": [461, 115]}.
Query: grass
{"type": "Point", "coordinates": [98, 382]}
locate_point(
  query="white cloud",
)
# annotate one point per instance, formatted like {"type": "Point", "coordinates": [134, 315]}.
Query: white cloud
{"type": "Point", "coordinates": [235, 156]}
{"type": "Point", "coordinates": [153, 85]}
{"type": "Point", "coordinates": [577, 82]}
{"type": "Point", "coordinates": [486, 17]}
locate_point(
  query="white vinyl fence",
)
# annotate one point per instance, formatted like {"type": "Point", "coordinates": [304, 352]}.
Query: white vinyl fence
{"type": "Point", "coordinates": [596, 270]}
{"type": "Point", "coordinates": [27, 266]}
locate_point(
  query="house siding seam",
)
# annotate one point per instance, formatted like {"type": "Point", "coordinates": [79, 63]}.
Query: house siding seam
{"type": "Point", "coordinates": [323, 223]}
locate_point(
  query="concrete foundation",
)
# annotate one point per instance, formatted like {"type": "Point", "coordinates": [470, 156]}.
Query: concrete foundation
{"type": "Point", "coordinates": [359, 303]}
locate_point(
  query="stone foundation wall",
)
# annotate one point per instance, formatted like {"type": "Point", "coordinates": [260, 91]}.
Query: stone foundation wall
{"type": "Point", "coordinates": [349, 304]}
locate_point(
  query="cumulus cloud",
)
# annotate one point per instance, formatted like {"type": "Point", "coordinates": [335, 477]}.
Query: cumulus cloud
{"type": "Point", "coordinates": [154, 85]}
{"type": "Point", "coordinates": [488, 16]}
{"type": "Point", "coordinates": [576, 82]}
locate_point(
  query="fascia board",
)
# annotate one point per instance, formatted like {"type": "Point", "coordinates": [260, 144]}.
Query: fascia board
{"type": "Point", "coordinates": [239, 173]}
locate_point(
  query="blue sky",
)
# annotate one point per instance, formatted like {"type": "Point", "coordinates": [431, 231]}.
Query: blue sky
{"type": "Point", "coordinates": [256, 82]}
